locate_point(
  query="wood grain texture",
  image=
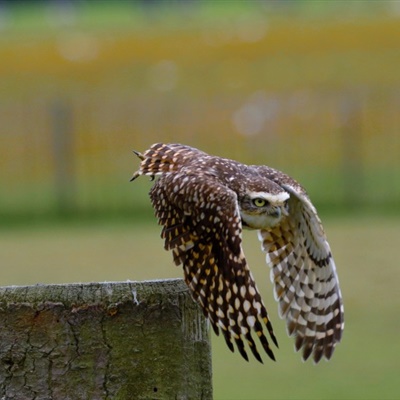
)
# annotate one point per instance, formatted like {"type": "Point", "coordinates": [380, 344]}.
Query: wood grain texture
{"type": "Point", "coordinates": [119, 340]}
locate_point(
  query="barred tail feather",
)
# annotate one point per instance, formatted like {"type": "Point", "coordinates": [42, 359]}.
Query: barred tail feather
{"type": "Point", "coordinates": [162, 158]}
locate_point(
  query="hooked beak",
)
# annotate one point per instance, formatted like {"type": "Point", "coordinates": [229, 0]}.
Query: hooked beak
{"type": "Point", "coordinates": [276, 212]}
{"type": "Point", "coordinates": [279, 211]}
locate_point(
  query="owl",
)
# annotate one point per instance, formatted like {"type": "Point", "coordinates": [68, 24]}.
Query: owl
{"type": "Point", "coordinates": [203, 202]}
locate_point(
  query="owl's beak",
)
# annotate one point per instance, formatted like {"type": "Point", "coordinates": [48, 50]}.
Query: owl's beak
{"type": "Point", "coordinates": [276, 212]}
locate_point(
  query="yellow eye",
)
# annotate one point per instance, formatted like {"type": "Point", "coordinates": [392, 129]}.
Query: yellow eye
{"type": "Point", "coordinates": [260, 202]}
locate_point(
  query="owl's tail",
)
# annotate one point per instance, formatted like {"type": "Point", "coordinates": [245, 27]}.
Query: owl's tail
{"type": "Point", "coordinates": [161, 158]}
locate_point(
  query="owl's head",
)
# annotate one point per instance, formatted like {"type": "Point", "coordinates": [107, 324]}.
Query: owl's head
{"type": "Point", "coordinates": [262, 210]}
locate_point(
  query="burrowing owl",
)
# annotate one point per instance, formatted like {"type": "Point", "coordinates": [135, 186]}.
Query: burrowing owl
{"type": "Point", "coordinates": [203, 202]}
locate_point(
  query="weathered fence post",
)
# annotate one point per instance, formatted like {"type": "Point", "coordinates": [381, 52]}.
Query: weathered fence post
{"type": "Point", "coordinates": [120, 340]}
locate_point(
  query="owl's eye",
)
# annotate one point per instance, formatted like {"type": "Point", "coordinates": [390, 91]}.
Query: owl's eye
{"type": "Point", "coordinates": [259, 202]}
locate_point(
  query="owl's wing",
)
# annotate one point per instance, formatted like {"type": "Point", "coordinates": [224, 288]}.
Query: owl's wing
{"type": "Point", "coordinates": [202, 226]}
{"type": "Point", "coordinates": [304, 276]}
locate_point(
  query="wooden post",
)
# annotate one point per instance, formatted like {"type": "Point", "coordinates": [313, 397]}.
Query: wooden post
{"type": "Point", "coordinates": [119, 340]}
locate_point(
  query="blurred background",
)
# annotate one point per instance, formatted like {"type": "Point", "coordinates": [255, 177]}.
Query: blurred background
{"type": "Point", "coordinates": [308, 87]}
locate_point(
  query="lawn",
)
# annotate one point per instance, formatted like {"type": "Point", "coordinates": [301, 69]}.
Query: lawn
{"type": "Point", "coordinates": [365, 365]}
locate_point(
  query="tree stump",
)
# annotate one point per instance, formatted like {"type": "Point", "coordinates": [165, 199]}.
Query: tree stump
{"type": "Point", "coordinates": [119, 340]}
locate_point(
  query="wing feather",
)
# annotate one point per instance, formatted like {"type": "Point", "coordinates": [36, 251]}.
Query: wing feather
{"type": "Point", "coordinates": [304, 276]}
{"type": "Point", "coordinates": [202, 226]}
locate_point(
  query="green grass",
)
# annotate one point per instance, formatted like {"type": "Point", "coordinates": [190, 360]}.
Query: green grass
{"type": "Point", "coordinates": [366, 363]}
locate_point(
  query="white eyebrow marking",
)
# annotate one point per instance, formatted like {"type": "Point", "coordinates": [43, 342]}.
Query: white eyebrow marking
{"type": "Point", "coordinates": [272, 198]}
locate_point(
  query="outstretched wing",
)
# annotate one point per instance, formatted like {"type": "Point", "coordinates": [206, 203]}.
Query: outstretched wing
{"type": "Point", "coordinates": [202, 227]}
{"type": "Point", "coordinates": [304, 275]}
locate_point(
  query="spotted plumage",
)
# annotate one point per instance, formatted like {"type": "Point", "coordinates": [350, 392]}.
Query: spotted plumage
{"type": "Point", "coordinates": [203, 203]}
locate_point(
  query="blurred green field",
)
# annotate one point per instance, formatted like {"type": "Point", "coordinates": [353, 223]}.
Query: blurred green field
{"type": "Point", "coordinates": [365, 365]}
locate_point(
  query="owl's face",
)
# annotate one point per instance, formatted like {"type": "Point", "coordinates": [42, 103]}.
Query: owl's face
{"type": "Point", "coordinates": [262, 210]}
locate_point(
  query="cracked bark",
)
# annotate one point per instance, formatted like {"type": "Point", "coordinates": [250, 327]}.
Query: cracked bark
{"type": "Point", "coordinates": [135, 340]}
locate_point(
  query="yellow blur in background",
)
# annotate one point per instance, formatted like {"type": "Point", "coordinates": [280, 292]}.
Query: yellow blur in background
{"type": "Point", "coordinates": [316, 94]}
{"type": "Point", "coordinates": [311, 88]}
